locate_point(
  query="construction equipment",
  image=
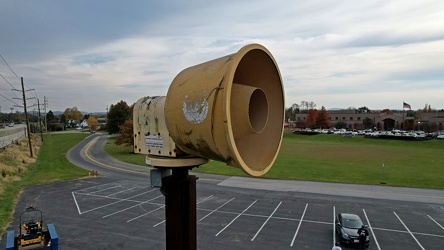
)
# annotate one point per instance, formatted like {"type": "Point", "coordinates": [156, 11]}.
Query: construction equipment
{"type": "Point", "coordinates": [32, 234]}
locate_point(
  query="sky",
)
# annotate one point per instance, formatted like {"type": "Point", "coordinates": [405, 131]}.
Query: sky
{"type": "Point", "coordinates": [337, 54]}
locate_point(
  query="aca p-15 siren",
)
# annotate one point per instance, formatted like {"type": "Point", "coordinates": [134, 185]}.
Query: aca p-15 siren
{"type": "Point", "coordinates": [230, 109]}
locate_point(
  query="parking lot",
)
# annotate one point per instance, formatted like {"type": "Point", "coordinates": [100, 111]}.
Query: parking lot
{"type": "Point", "coordinates": [102, 213]}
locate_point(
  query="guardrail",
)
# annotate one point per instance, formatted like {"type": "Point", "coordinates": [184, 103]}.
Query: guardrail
{"type": "Point", "coordinates": [10, 135]}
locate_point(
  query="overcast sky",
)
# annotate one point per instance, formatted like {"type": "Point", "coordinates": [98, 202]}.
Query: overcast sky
{"type": "Point", "coordinates": [338, 54]}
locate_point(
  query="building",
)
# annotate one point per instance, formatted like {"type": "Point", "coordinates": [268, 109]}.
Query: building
{"type": "Point", "coordinates": [382, 120]}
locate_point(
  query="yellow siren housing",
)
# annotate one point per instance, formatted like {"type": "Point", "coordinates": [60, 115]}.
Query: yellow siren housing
{"type": "Point", "coordinates": [230, 109]}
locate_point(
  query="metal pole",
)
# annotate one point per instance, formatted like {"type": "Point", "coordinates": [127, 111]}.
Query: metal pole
{"type": "Point", "coordinates": [26, 116]}
{"type": "Point", "coordinates": [180, 210]}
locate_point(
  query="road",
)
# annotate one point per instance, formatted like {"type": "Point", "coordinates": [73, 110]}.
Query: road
{"type": "Point", "coordinates": [119, 210]}
{"type": "Point", "coordinates": [11, 134]}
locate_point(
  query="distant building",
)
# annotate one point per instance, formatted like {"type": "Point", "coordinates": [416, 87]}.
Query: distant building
{"type": "Point", "coordinates": [382, 120]}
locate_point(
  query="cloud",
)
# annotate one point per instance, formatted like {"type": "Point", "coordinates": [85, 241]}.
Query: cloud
{"type": "Point", "coordinates": [337, 54]}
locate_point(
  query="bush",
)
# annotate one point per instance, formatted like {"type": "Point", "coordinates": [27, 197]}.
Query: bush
{"type": "Point", "coordinates": [55, 127]}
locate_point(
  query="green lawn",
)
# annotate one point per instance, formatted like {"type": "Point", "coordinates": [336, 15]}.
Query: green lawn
{"type": "Point", "coordinates": [333, 158]}
{"type": "Point", "coordinates": [51, 166]}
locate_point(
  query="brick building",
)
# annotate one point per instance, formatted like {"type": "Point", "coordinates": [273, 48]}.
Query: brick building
{"type": "Point", "coordinates": [382, 120]}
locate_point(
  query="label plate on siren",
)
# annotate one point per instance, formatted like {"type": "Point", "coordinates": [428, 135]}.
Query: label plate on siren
{"type": "Point", "coordinates": [154, 141]}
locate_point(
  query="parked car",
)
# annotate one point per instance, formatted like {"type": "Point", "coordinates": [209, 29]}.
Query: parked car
{"type": "Point", "coordinates": [347, 226]}
{"type": "Point", "coordinates": [348, 134]}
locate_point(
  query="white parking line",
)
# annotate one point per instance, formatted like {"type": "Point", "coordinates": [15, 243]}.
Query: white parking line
{"type": "Point", "coordinates": [299, 226]}
{"type": "Point", "coordinates": [265, 222]}
{"type": "Point", "coordinates": [334, 225]}
{"type": "Point", "coordinates": [75, 200]}
{"type": "Point", "coordinates": [409, 231]}
{"type": "Point", "coordinates": [235, 218]}
{"type": "Point", "coordinates": [112, 203]}
{"type": "Point", "coordinates": [436, 222]}
{"type": "Point", "coordinates": [196, 203]}
{"type": "Point", "coordinates": [107, 197]}
{"type": "Point", "coordinates": [104, 184]}
{"type": "Point", "coordinates": [371, 229]}
{"type": "Point", "coordinates": [100, 190]}
{"type": "Point", "coordinates": [204, 199]}
{"type": "Point", "coordinates": [159, 223]}
{"type": "Point", "coordinates": [132, 206]}
{"type": "Point", "coordinates": [146, 213]}
{"type": "Point", "coordinates": [121, 191]}
{"type": "Point", "coordinates": [215, 210]}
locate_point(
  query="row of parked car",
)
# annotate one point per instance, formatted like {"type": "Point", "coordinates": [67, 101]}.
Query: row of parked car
{"type": "Point", "coordinates": [369, 133]}
{"type": "Point", "coordinates": [402, 134]}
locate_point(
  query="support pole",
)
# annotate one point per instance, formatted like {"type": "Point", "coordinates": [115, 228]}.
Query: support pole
{"type": "Point", "coordinates": [26, 117]}
{"type": "Point", "coordinates": [39, 120]}
{"type": "Point", "coordinates": [180, 210]}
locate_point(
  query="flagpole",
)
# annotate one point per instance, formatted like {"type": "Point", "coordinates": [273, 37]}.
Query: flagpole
{"type": "Point", "coordinates": [403, 116]}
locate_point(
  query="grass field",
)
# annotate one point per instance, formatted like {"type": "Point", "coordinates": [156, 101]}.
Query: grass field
{"type": "Point", "coordinates": [333, 158]}
{"type": "Point", "coordinates": [51, 166]}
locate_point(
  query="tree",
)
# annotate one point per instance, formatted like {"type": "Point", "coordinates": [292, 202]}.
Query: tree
{"type": "Point", "coordinates": [340, 125]}
{"type": "Point", "coordinates": [387, 111]}
{"type": "Point", "coordinates": [409, 124]}
{"type": "Point", "coordinates": [117, 115]}
{"type": "Point", "coordinates": [50, 116]}
{"type": "Point", "coordinates": [126, 134]}
{"type": "Point", "coordinates": [63, 119]}
{"type": "Point", "coordinates": [363, 110]}
{"type": "Point", "coordinates": [429, 127]}
{"type": "Point", "coordinates": [92, 122]}
{"type": "Point", "coordinates": [311, 118]}
{"type": "Point", "coordinates": [307, 105]}
{"type": "Point", "coordinates": [73, 114]}
{"type": "Point", "coordinates": [291, 112]}
{"type": "Point", "coordinates": [322, 119]}
{"type": "Point", "coordinates": [368, 122]}
{"type": "Point", "coordinates": [427, 108]}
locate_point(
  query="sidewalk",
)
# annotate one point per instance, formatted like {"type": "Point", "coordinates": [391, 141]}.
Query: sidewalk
{"type": "Point", "coordinates": [353, 190]}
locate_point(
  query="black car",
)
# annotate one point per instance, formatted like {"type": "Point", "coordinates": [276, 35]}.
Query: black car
{"type": "Point", "coordinates": [347, 226]}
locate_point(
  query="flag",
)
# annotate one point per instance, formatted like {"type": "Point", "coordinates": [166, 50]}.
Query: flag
{"type": "Point", "coordinates": [406, 106]}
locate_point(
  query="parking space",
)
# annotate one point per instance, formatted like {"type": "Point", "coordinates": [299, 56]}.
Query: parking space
{"type": "Point", "coordinates": [101, 213]}
{"type": "Point", "coordinates": [237, 220]}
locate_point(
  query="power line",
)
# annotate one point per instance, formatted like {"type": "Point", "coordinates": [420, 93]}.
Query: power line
{"type": "Point", "coordinates": [6, 81]}
{"type": "Point", "coordinates": [9, 67]}
{"type": "Point", "coordinates": [8, 99]}
{"type": "Point", "coordinates": [4, 61]}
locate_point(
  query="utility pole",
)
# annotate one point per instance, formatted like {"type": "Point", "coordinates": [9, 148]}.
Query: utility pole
{"type": "Point", "coordinates": [39, 120]}
{"type": "Point", "coordinates": [45, 104]}
{"type": "Point", "coordinates": [26, 116]}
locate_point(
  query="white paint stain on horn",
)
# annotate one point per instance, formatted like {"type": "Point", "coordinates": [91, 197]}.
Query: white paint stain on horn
{"type": "Point", "coordinates": [195, 109]}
